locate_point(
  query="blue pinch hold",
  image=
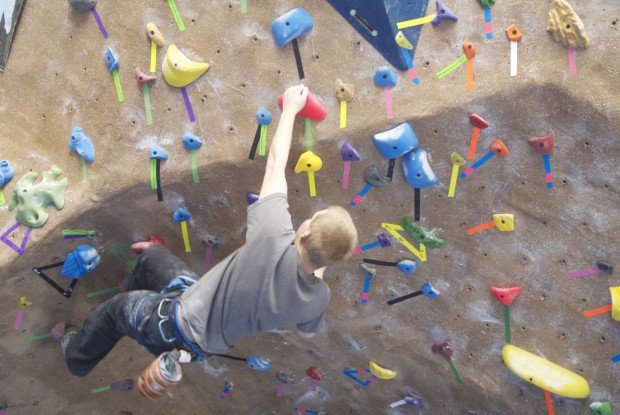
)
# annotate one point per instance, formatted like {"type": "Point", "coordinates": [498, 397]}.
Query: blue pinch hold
{"type": "Point", "coordinates": [263, 116]}
{"type": "Point", "coordinates": [396, 142]}
{"type": "Point", "coordinates": [407, 266]}
{"type": "Point", "coordinates": [429, 291]}
{"type": "Point", "coordinates": [418, 169]}
{"type": "Point", "coordinates": [291, 25]}
{"type": "Point", "coordinates": [83, 260]}
{"type": "Point", "coordinates": [385, 77]}
{"type": "Point", "coordinates": [443, 13]}
{"type": "Point", "coordinates": [6, 173]}
{"type": "Point", "coordinates": [181, 215]}
{"type": "Point", "coordinates": [110, 59]}
{"type": "Point", "coordinates": [191, 142]}
{"type": "Point", "coordinates": [158, 153]}
{"type": "Point", "coordinates": [251, 197]}
{"type": "Point", "coordinates": [348, 153]}
{"type": "Point", "coordinates": [259, 363]}
{"type": "Point", "coordinates": [81, 144]}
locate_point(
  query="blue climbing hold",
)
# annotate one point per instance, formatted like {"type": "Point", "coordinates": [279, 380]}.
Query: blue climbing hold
{"type": "Point", "coordinates": [110, 59]}
{"type": "Point", "coordinates": [291, 25]}
{"type": "Point", "coordinates": [429, 291]}
{"type": "Point", "coordinates": [251, 198]}
{"type": "Point", "coordinates": [263, 116]}
{"type": "Point", "coordinates": [6, 173]}
{"type": "Point", "coordinates": [418, 169]}
{"type": "Point", "coordinates": [396, 142]}
{"type": "Point", "coordinates": [385, 77]}
{"type": "Point", "coordinates": [158, 153]}
{"type": "Point", "coordinates": [81, 144]}
{"type": "Point", "coordinates": [191, 142]}
{"type": "Point", "coordinates": [181, 215]}
{"type": "Point", "coordinates": [443, 13]}
{"type": "Point", "coordinates": [407, 266]}
{"type": "Point", "coordinates": [83, 260]}
{"type": "Point", "coordinates": [259, 363]}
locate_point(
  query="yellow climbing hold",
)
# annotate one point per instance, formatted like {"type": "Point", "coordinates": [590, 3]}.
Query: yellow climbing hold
{"type": "Point", "coordinates": [545, 374]}
{"type": "Point", "coordinates": [615, 302]}
{"type": "Point", "coordinates": [402, 41]}
{"type": "Point", "coordinates": [457, 159]}
{"type": "Point", "coordinates": [23, 302]}
{"type": "Point", "coordinates": [179, 70]}
{"type": "Point", "coordinates": [308, 162]}
{"type": "Point", "coordinates": [505, 222]}
{"type": "Point", "coordinates": [381, 372]}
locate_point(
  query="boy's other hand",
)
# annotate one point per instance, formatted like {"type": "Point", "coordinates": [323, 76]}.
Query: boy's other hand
{"type": "Point", "coordinates": [295, 98]}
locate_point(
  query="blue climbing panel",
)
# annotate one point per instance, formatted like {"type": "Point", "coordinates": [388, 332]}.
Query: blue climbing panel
{"type": "Point", "coordinates": [376, 21]}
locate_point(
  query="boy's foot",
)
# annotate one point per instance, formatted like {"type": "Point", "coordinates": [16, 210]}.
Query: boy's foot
{"type": "Point", "coordinates": [70, 332]}
{"type": "Point", "coordinates": [138, 247]}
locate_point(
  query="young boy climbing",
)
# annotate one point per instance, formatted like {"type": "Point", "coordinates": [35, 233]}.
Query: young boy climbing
{"type": "Point", "coordinates": [275, 279]}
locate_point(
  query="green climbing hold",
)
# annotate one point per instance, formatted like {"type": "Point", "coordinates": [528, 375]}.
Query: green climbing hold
{"type": "Point", "coordinates": [31, 199]}
{"type": "Point", "coordinates": [600, 408]}
{"type": "Point", "coordinates": [421, 234]}
{"type": "Point", "coordinates": [486, 4]}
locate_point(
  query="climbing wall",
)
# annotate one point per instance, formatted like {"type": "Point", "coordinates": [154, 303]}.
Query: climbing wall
{"type": "Point", "coordinates": [56, 78]}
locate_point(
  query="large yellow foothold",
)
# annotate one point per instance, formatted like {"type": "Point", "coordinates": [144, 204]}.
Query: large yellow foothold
{"type": "Point", "coordinates": [545, 374]}
{"type": "Point", "coordinates": [457, 159]}
{"type": "Point", "coordinates": [615, 302]}
{"type": "Point", "coordinates": [179, 70]}
{"type": "Point", "coordinates": [402, 41]}
{"type": "Point", "coordinates": [381, 372]}
{"type": "Point", "coordinates": [505, 222]}
{"type": "Point", "coordinates": [308, 162]}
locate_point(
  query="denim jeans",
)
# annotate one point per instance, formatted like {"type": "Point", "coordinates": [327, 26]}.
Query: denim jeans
{"type": "Point", "coordinates": [132, 313]}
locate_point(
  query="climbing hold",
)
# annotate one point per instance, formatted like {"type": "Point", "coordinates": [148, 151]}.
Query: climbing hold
{"type": "Point", "coordinates": [291, 25]}
{"type": "Point", "coordinates": [111, 59]}
{"type": "Point", "coordinates": [429, 291]}
{"type": "Point", "coordinates": [407, 266]}
{"type": "Point", "coordinates": [314, 373]}
{"type": "Point", "coordinates": [83, 5]}
{"type": "Point", "coordinates": [421, 234]}
{"type": "Point", "coordinates": [374, 178]}
{"type": "Point", "coordinates": [456, 158]}
{"type": "Point", "coordinates": [31, 199]}
{"type": "Point", "coordinates": [418, 403]}
{"type": "Point", "coordinates": [506, 295]}
{"type": "Point", "coordinates": [263, 116]}
{"type": "Point", "coordinates": [384, 241]}
{"type": "Point", "coordinates": [6, 173]}
{"type": "Point", "coordinates": [158, 153]}
{"type": "Point", "coordinates": [469, 49]}
{"type": "Point", "coordinates": [499, 148]}
{"type": "Point", "coordinates": [191, 142]}
{"type": "Point", "coordinates": [505, 222]}
{"type": "Point", "coordinates": [344, 92]}
{"type": "Point", "coordinates": [402, 41]}
{"type": "Point", "coordinates": [313, 109]}
{"type": "Point", "coordinates": [513, 33]}
{"type": "Point", "coordinates": [181, 215]}
{"type": "Point", "coordinates": [605, 266]}
{"type": "Point", "coordinates": [478, 122]}
{"type": "Point", "coordinates": [154, 34]}
{"type": "Point", "coordinates": [544, 373]}
{"type": "Point", "coordinates": [443, 348]}
{"type": "Point", "coordinates": [396, 142]}
{"type": "Point", "coordinates": [385, 77]}
{"type": "Point", "coordinates": [57, 331]}
{"type": "Point", "coordinates": [284, 378]}
{"type": "Point", "coordinates": [544, 144]}
{"type": "Point", "coordinates": [566, 26]}
{"type": "Point", "coordinates": [142, 78]}
{"type": "Point", "coordinates": [259, 363]}
{"type": "Point", "coordinates": [615, 302]}
{"type": "Point", "coordinates": [251, 198]}
{"type": "Point", "coordinates": [443, 13]}
{"type": "Point", "coordinates": [179, 70]}
{"type": "Point", "coordinates": [418, 169]}
{"type": "Point", "coordinates": [600, 408]}
{"type": "Point", "coordinates": [348, 153]}
{"type": "Point", "coordinates": [381, 372]}
{"type": "Point", "coordinates": [486, 3]}
{"type": "Point", "coordinates": [308, 162]}
{"type": "Point", "coordinates": [83, 260]}
{"type": "Point", "coordinates": [81, 144]}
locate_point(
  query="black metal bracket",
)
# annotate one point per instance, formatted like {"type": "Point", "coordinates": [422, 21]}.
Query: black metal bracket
{"type": "Point", "coordinates": [65, 292]}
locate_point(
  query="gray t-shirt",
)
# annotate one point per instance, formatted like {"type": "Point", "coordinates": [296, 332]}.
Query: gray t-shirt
{"type": "Point", "coordinates": [259, 287]}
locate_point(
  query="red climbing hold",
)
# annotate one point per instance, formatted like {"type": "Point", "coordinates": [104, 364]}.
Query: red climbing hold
{"type": "Point", "coordinates": [506, 295]}
{"type": "Point", "coordinates": [313, 108]}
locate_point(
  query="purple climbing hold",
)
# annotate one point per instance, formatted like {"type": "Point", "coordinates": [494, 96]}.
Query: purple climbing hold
{"type": "Point", "coordinates": [443, 13]}
{"type": "Point", "coordinates": [384, 241]}
{"type": "Point", "coordinates": [418, 403]}
{"type": "Point", "coordinates": [348, 153]}
{"type": "Point", "coordinates": [251, 197]}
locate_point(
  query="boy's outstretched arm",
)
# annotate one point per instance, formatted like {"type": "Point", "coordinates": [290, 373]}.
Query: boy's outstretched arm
{"type": "Point", "coordinates": [274, 180]}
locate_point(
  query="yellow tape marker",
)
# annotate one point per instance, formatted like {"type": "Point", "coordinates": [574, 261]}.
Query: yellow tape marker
{"type": "Point", "coordinates": [393, 229]}
{"type": "Point", "coordinates": [416, 22]}
{"type": "Point", "coordinates": [453, 179]}
{"type": "Point", "coordinates": [153, 67]}
{"type": "Point", "coordinates": [311, 183]}
{"type": "Point", "coordinates": [343, 114]}
{"type": "Point", "coordinates": [185, 236]}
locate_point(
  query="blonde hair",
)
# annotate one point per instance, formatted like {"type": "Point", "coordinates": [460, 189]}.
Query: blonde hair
{"type": "Point", "coordinates": [332, 239]}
